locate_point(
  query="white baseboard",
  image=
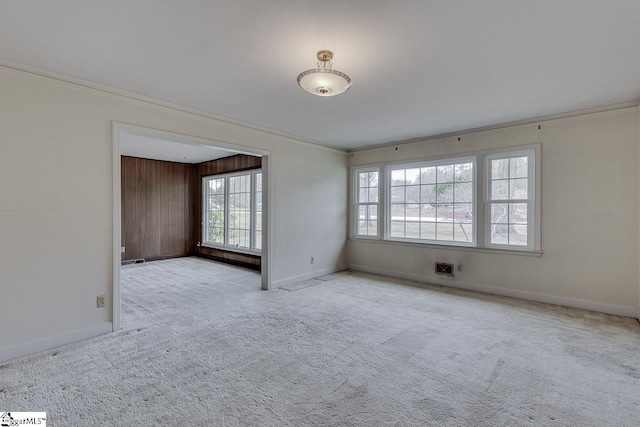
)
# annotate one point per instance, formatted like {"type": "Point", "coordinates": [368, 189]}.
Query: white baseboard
{"type": "Point", "coordinates": [513, 293]}
{"type": "Point", "coordinates": [22, 349]}
{"type": "Point", "coordinates": [307, 276]}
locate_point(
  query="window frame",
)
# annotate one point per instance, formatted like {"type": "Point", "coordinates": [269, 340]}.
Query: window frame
{"type": "Point", "coordinates": [252, 173]}
{"type": "Point", "coordinates": [532, 205]}
{"type": "Point", "coordinates": [355, 203]}
{"type": "Point", "coordinates": [481, 201]}
{"type": "Point", "coordinates": [388, 169]}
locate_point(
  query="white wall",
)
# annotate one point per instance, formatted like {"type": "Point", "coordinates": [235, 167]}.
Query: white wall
{"type": "Point", "coordinates": [590, 205]}
{"type": "Point", "coordinates": [56, 201]}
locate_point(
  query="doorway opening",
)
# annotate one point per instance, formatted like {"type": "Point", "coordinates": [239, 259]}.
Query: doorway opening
{"type": "Point", "coordinates": [176, 195]}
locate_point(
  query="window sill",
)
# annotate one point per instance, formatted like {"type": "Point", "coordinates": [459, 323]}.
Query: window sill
{"type": "Point", "coordinates": [231, 249]}
{"type": "Point", "coordinates": [450, 247]}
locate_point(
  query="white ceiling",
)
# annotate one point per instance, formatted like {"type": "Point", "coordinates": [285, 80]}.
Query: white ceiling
{"type": "Point", "coordinates": [160, 149]}
{"type": "Point", "coordinates": [419, 67]}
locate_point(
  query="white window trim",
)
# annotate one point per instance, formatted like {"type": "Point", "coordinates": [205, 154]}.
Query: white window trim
{"type": "Point", "coordinates": [252, 191]}
{"type": "Point", "coordinates": [355, 184]}
{"type": "Point", "coordinates": [423, 164]}
{"type": "Point", "coordinates": [533, 241]}
{"type": "Point", "coordinates": [481, 201]}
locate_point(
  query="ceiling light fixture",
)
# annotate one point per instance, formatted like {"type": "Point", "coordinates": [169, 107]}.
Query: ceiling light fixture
{"type": "Point", "coordinates": [324, 81]}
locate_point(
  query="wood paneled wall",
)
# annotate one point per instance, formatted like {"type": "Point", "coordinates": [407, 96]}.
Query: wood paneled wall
{"type": "Point", "coordinates": [226, 165]}
{"type": "Point", "coordinates": [158, 202]}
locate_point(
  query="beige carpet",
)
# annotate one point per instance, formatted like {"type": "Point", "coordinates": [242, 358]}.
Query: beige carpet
{"type": "Point", "coordinates": [203, 346]}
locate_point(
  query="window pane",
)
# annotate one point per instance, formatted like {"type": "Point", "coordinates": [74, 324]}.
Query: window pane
{"type": "Point", "coordinates": [239, 226]}
{"type": "Point", "coordinates": [519, 167]}
{"type": "Point", "coordinates": [428, 230]}
{"type": "Point", "coordinates": [362, 222]}
{"type": "Point", "coordinates": [397, 229]}
{"type": "Point", "coordinates": [397, 194]}
{"type": "Point", "coordinates": [444, 193]}
{"type": "Point", "coordinates": [445, 174]}
{"type": "Point", "coordinates": [244, 238]}
{"type": "Point", "coordinates": [368, 187]}
{"type": "Point", "coordinates": [412, 176]}
{"type": "Point", "coordinates": [518, 188]}
{"type": "Point", "coordinates": [413, 194]}
{"type": "Point", "coordinates": [373, 179]}
{"type": "Point", "coordinates": [428, 193]}
{"type": "Point", "coordinates": [499, 213]}
{"type": "Point", "coordinates": [412, 212]}
{"type": "Point", "coordinates": [509, 224]}
{"type": "Point", "coordinates": [463, 232]}
{"type": "Point", "coordinates": [397, 177]}
{"type": "Point", "coordinates": [428, 175]}
{"type": "Point", "coordinates": [444, 212]}
{"type": "Point", "coordinates": [397, 212]}
{"type": "Point", "coordinates": [373, 195]}
{"type": "Point", "coordinates": [463, 212]}
{"type": "Point", "coordinates": [499, 234]}
{"type": "Point", "coordinates": [500, 169]}
{"type": "Point", "coordinates": [364, 195]}
{"type": "Point", "coordinates": [464, 172]}
{"type": "Point", "coordinates": [518, 235]}
{"type": "Point", "coordinates": [463, 192]}
{"type": "Point", "coordinates": [517, 213]}
{"type": "Point", "coordinates": [367, 220]}
{"type": "Point", "coordinates": [428, 212]}
{"type": "Point", "coordinates": [444, 231]}
{"type": "Point", "coordinates": [412, 230]}
{"type": "Point", "coordinates": [500, 190]}
{"type": "Point", "coordinates": [257, 244]}
{"type": "Point", "coordinates": [214, 211]}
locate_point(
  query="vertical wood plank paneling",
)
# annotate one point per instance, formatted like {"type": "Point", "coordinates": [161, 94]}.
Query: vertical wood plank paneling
{"type": "Point", "coordinates": [157, 208]}
{"type": "Point", "coordinates": [162, 208]}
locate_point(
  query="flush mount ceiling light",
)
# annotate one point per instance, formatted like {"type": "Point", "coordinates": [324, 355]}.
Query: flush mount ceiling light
{"type": "Point", "coordinates": [324, 81]}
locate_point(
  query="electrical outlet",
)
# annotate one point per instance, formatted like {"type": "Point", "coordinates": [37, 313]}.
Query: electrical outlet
{"type": "Point", "coordinates": [122, 250]}
{"type": "Point", "coordinates": [313, 260]}
{"type": "Point", "coordinates": [101, 301]}
{"type": "Point", "coordinates": [459, 267]}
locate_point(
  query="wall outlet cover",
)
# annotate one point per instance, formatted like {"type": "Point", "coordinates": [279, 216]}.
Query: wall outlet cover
{"type": "Point", "coordinates": [101, 301]}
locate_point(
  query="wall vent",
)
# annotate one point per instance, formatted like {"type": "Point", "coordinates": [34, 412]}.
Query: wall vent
{"type": "Point", "coordinates": [444, 268]}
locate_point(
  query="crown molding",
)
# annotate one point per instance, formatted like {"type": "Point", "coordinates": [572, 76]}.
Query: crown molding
{"type": "Point", "coordinates": [132, 96]}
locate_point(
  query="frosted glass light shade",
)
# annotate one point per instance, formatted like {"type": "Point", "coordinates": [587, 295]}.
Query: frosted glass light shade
{"type": "Point", "coordinates": [324, 82]}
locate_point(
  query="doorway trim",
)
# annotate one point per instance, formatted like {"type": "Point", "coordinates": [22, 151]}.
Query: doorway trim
{"type": "Point", "coordinates": [119, 128]}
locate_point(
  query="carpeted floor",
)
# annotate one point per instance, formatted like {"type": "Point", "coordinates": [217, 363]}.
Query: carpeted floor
{"type": "Point", "coordinates": [201, 345]}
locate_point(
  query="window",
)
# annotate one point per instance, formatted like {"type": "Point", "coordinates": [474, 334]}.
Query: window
{"type": "Point", "coordinates": [258, 211]}
{"type": "Point", "coordinates": [367, 201]}
{"type": "Point", "coordinates": [485, 199]}
{"type": "Point", "coordinates": [215, 212]}
{"type": "Point", "coordinates": [230, 211]}
{"type": "Point", "coordinates": [432, 201]}
{"type": "Point", "coordinates": [510, 199]}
